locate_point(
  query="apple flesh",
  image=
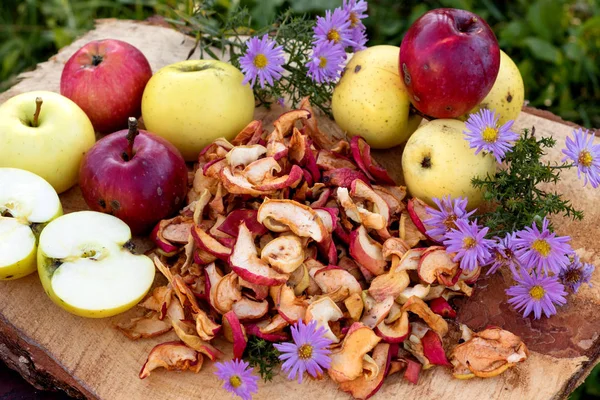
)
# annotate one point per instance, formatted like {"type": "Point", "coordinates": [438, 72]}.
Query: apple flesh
{"type": "Point", "coordinates": [27, 204]}
{"type": "Point", "coordinates": [449, 60]}
{"type": "Point", "coordinates": [136, 176]}
{"type": "Point", "coordinates": [86, 266]}
{"type": "Point", "coordinates": [47, 134]}
{"type": "Point", "coordinates": [106, 78]}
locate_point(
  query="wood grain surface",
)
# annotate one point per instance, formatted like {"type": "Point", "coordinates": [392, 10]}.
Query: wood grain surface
{"type": "Point", "coordinates": [89, 358]}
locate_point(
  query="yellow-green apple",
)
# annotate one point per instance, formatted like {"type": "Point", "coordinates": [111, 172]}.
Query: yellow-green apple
{"type": "Point", "coordinates": [47, 134]}
{"type": "Point", "coordinates": [371, 100]}
{"type": "Point", "coordinates": [449, 60]}
{"type": "Point", "coordinates": [134, 175]}
{"type": "Point", "coordinates": [27, 204]}
{"type": "Point", "coordinates": [191, 103]}
{"type": "Point", "coordinates": [87, 267]}
{"type": "Point", "coordinates": [106, 78]}
{"type": "Point", "coordinates": [437, 161]}
{"type": "Point", "coordinates": [508, 93]}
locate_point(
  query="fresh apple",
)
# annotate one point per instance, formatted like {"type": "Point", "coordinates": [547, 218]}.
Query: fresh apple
{"type": "Point", "coordinates": [437, 161]}
{"type": "Point", "coordinates": [508, 93]}
{"type": "Point", "coordinates": [191, 103]}
{"type": "Point", "coordinates": [86, 265]}
{"type": "Point", "coordinates": [106, 78]}
{"type": "Point", "coordinates": [371, 100]}
{"type": "Point", "coordinates": [27, 204]}
{"type": "Point", "coordinates": [47, 134]}
{"type": "Point", "coordinates": [134, 175]}
{"type": "Point", "coordinates": [449, 60]}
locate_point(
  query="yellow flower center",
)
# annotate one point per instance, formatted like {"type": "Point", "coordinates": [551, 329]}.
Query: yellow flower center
{"type": "Point", "coordinates": [333, 35]}
{"type": "Point", "coordinates": [323, 62]}
{"type": "Point", "coordinates": [305, 351]}
{"type": "Point", "coordinates": [585, 158]}
{"type": "Point", "coordinates": [235, 381]}
{"type": "Point", "coordinates": [353, 19]}
{"type": "Point", "coordinates": [537, 292]}
{"type": "Point", "coordinates": [260, 61]}
{"type": "Point", "coordinates": [469, 242]}
{"type": "Point", "coordinates": [490, 134]}
{"type": "Point", "coordinates": [542, 247]}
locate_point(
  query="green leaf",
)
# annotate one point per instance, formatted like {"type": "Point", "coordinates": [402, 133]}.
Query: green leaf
{"type": "Point", "coordinates": [306, 6]}
{"type": "Point", "coordinates": [543, 50]}
{"type": "Point", "coordinates": [545, 17]}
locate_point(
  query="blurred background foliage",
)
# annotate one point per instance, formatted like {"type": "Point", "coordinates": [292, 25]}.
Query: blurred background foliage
{"type": "Point", "coordinates": [555, 43]}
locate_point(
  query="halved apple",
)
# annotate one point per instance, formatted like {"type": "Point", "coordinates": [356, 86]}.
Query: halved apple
{"type": "Point", "coordinates": [27, 204]}
{"type": "Point", "coordinates": [87, 267]}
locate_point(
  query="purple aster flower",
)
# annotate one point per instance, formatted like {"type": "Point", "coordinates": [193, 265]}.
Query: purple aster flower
{"type": "Point", "coordinates": [263, 60]}
{"type": "Point", "coordinates": [483, 133]}
{"type": "Point", "coordinates": [585, 155]}
{"type": "Point", "coordinates": [542, 250]}
{"type": "Point", "coordinates": [327, 62]}
{"type": "Point", "coordinates": [309, 352]}
{"type": "Point", "coordinates": [443, 219]}
{"type": "Point", "coordinates": [335, 28]}
{"type": "Point", "coordinates": [576, 274]}
{"type": "Point", "coordinates": [359, 37]}
{"type": "Point", "coordinates": [469, 243]}
{"type": "Point", "coordinates": [503, 254]}
{"type": "Point", "coordinates": [238, 378]}
{"type": "Point", "coordinates": [356, 10]}
{"type": "Point", "coordinates": [536, 293]}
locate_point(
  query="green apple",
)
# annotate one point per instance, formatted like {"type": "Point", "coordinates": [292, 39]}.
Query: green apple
{"type": "Point", "coordinates": [47, 137]}
{"type": "Point", "coordinates": [191, 103]}
{"type": "Point", "coordinates": [437, 161]}
{"type": "Point", "coordinates": [371, 100]}
{"type": "Point", "coordinates": [27, 204]}
{"type": "Point", "coordinates": [86, 265]}
{"type": "Point", "coordinates": [508, 93]}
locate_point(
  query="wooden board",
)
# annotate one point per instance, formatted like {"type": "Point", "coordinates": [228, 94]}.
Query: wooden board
{"type": "Point", "coordinates": [88, 358]}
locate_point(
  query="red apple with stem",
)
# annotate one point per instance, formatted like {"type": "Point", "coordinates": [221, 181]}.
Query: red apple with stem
{"type": "Point", "coordinates": [134, 175]}
{"type": "Point", "coordinates": [106, 78]}
{"type": "Point", "coordinates": [449, 60]}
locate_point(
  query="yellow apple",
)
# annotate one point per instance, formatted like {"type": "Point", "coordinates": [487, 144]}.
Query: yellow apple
{"type": "Point", "coordinates": [27, 204]}
{"type": "Point", "coordinates": [87, 268]}
{"type": "Point", "coordinates": [508, 93]}
{"type": "Point", "coordinates": [437, 161]}
{"type": "Point", "coordinates": [371, 100]}
{"type": "Point", "coordinates": [51, 148]}
{"type": "Point", "coordinates": [191, 103]}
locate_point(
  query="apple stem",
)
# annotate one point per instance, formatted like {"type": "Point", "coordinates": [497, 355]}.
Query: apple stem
{"type": "Point", "coordinates": [36, 114]}
{"type": "Point", "coordinates": [413, 110]}
{"type": "Point", "coordinates": [131, 135]}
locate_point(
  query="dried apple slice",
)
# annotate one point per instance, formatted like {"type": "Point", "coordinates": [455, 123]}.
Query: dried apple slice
{"type": "Point", "coordinates": [256, 330]}
{"type": "Point", "coordinates": [366, 251]}
{"type": "Point", "coordinates": [226, 293]}
{"type": "Point", "coordinates": [433, 349]}
{"type": "Point", "coordinates": [470, 277]}
{"type": "Point", "coordinates": [235, 333]}
{"type": "Point", "coordinates": [206, 328]}
{"type": "Point", "coordinates": [186, 332]}
{"type": "Point", "coordinates": [331, 279]}
{"type": "Point", "coordinates": [261, 170]}
{"type": "Point", "coordinates": [159, 300]}
{"type": "Point", "coordinates": [247, 309]}
{"type": "Point", "coordinates": [435, 322]}
{"type": "Point", "coordinates": [419, 290]}
{"type": "Point", "coordinates": [417, 210]}
{"type": "Point", "coordinates": [347, 361]}
{"type": "Point", "coordinates": [434, 262]}
{"type": "Point", "coordinates": [291, 308]}
{"type": "Point", "coordinates": [396, 332]}
{"type": "Point", "coordinates": [284, 253]}
{"type": "Point", "coordinates": [363, 191]}
{"type": "Point", "coordinates": [171, 356]}
{"type": "Point", "coordinates": [488, 353]}
{"type": "Point", "coordinates": [355, 306]}
{"type": "Point", "coordinates": [301, 219]}
{"type": "Point", "coordinates": [364, 387]}
{"type": "Point", "coordinates": [245, 262]}
{"type": "Point", "coordinates": [286, 181]}
{"type": "Point", "coordinates": [323, 311]}
{"type": "Point", "coordinates": [237, 183]}
{"type": "Point", "coordinates": [375, 311]}
{"type": "Point", "coordinates": [342, 177]}
{"type": "Point", "coordinates": [231, 224]}
{"type": "Point", "coordinates": [408, 231]}
{"type": "Point", "coordinates": [210, 244]}
{"type": "Point", "coordinates": [413, 370]}
{"type": "Point", "coordinates": [390, 284]}
{"type": "Point", "coordinates": [249, 135]}
{"type": "Point", "coordinates": [441, 307]}
{"type": "Point", "coordinates": [244, 155]}
{"type": "Point", "coordinates": [147, 326]}
{"type": "Point", "coordinates": [328, 160]}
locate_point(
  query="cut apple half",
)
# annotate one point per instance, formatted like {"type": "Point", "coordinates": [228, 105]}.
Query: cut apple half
{"type": "Point", "coordinates": [27, 204]}
{"type": "Point", "coordinates": [87, 267]}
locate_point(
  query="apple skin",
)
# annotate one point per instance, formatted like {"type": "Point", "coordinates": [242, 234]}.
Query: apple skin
{"type": "Point", "coordinates": [438, 161]}
{"type": "Point", "coordinates": [191, 103]}
{"type": "Point", "coordinates": [106, 78]}
{"type": "Point", "coordinates": [449, 60]}
{"type": "Point", "coordinates": [149, 187]}
{"type": "Point", "coordinates": [53, 149]}
{"type": "Point", "coordinates": [371, 100]}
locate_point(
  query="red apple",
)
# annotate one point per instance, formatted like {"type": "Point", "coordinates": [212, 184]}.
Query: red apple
{"type": "Point", "coordinates": [449, 60]}
{"type": "Point", "coordinates": [106, 78]}
{"type": "Point", "coordinates": [134, 175]}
